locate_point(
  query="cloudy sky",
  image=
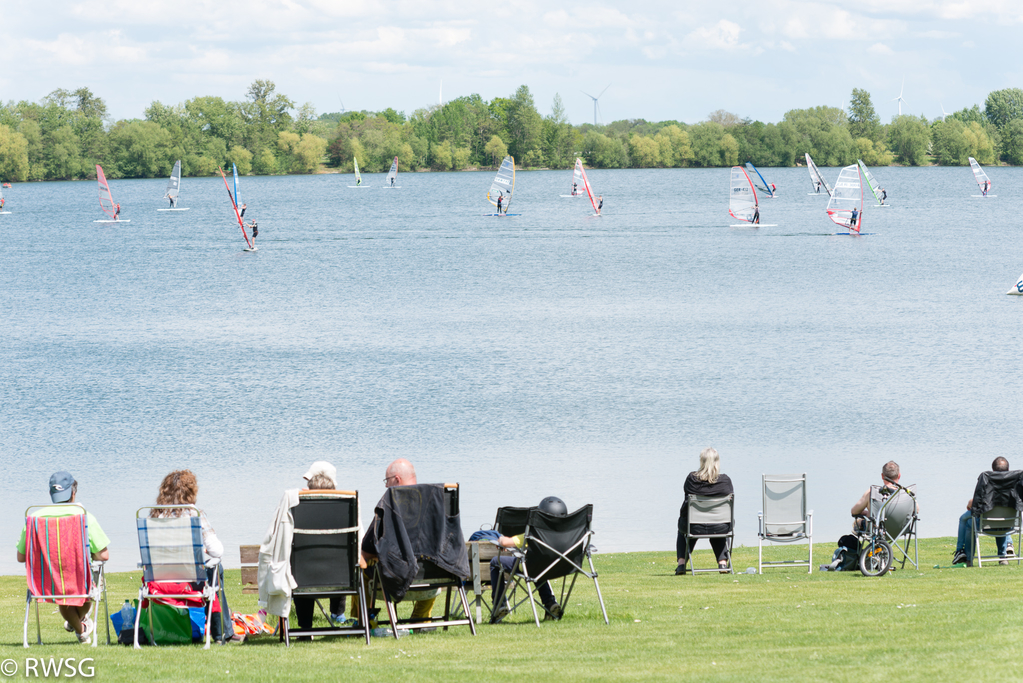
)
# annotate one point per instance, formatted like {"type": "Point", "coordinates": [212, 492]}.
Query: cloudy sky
{"type": "Point", "coordinates": [661, 59]}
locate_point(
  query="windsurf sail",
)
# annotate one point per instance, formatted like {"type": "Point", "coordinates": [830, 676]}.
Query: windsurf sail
{"type": "Point", "coordinates": [766, 187]}
{"type": "Point", "coordinates": [1018, 287]}
{"type": "Point", "coordinates": [174, 184]}
{"type": "Point", "coordinates": [742, 197]}
{"type": "Point", "coordinates": [504, 184]}
{"type": "Point", "coordinates": [816, 179]}
{"type": "Point", "coordinates": [106, 200]}
{"type": "Point", "coordinates": [875, 187]}
{"type": "Point", "coordinates": [577, 179]}
{"type": "Point", "coordinates": [983, 182]}
{"type": "Point", "coordinates": [585, 182]}
{"type": "Point", "coordinates": [392, 175]}
{"type": "Point", "coordinates": [234, 204]}
{"type": "Point", "coordinates": [358, 176]}
{"type": "Point", "coordinates": [845, 207]}
{"type": "Point", "coordinates": [237, 197]}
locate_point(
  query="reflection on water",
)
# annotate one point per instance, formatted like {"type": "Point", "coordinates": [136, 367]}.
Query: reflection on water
{"type": "Point", "coordinates": [549, 353]}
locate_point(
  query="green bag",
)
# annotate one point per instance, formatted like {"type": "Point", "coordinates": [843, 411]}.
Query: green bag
{"type": "Point", "coordinates": [171, 625]}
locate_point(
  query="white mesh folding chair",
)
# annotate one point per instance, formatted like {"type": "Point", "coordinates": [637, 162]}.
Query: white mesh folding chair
{"type": "Point", "coordinates": [998, 521]}
{"type": "Point", "coordinates": [785, 518]}
{"type": "Point", "coordinates": [710, 511]}
{"type": "Point", "coordinates": [59, 568]}
{"type": "Point", "coordinates": [172, 552]}
{"type": "Point", "coordinates": [898, 518]}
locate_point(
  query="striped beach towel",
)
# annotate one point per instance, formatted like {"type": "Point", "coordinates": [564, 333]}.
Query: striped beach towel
{"type": "Point", "coordinates": [171, 549]}
{"type": "Point", "coordinates": [57, 558]}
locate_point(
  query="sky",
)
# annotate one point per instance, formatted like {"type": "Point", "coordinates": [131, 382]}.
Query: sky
{"type": "Point", "coordinates": [655, 60]}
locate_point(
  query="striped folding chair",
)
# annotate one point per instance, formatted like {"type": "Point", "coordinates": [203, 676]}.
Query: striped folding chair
{"type": "Point", "coordinates": [172, 552]}
{"type": "Point", "coordinates": [58, 566]}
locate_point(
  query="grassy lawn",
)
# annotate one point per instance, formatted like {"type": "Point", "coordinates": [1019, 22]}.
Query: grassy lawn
{"type": "Point", "coordinates": [927, 625]}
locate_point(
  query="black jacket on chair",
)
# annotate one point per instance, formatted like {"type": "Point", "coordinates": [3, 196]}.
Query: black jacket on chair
{"type": "Point", "coordinates": [998, 489]}
{"type": "Point", "coordinates": [410, 524]}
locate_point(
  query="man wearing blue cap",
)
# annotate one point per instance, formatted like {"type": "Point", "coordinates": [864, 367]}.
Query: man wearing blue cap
{"type": "Point", "coordinates": [63, 488]}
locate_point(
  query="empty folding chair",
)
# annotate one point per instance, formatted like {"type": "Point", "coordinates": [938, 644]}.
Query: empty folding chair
{"type": "Point", "coordinates": [711, 512]}
{"type": "Point", "coordinates": [59, 567]}
{"type": "Point", "coordinates": [555, 548]}
{"type": "Point", "coordinates": [418, 522]}
{"type": "Point", "coordinates": [172, 553]}
{"type": "Point", "coordinates": [325, 558]}
{"type": "Point", "coordinates": [785, 518]}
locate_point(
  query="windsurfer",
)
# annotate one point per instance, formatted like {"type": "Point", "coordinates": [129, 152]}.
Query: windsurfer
{"type": "Point", "coordinates": [241, 210]}
{"type": "Point", "coordinates": [500, 202]}
{"type": "Point", "coordinates": [600, 204]}
{"type": "Point", "coordinates": [773, 188]}
{"type": "Point", "coordinates": [855, 215]}
{"type": "Point", "coordinates": [575, 189]}
{"type": "Point", "coordinates": [2, 202]}
{"type": "Point", "coordinates": [173, 201]}
{"type": "Point", "coordinates": [117, 212]}
{"type": "Point", "coordinates": [392, 181]}
{"type": "Point", "coordinates": [986, 185]}
{"type": "Point", "coordinates": [884, 195]}
{"type": "Point", "coordinates": [756, 215]}
{"type": "Point", "coordinates": [818, 187]}
{"type": "Point", "coordinates": [255, 231]}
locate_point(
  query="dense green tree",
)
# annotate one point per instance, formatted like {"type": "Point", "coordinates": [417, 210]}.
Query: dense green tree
{"type": "Point", "coordinates": [138, 149]}
{"type": "Point", "coordinates": [1012, 142]}
{"type": "Point", "coordinates": [14, 164]}
{"type": "Point", "coordinates": [824, 133]}
{"type": "Point", "coordinates": [557, 137]}
{"type": "Point", "coordinates": [1003, 106]}
{"type": "Point", "coordinates": [602, 151]}
{"type": "Point", "coordinates": [523, 123]}
{"type": "Point", "coordinates": [909, 138]}
{"type": "Point", "coordinates": [496, 150]}
{"type": "Point", "coordinates": [863, 120]}
{"type": "Point", "coordinates": [266, 114]}
{"type": "Point", "coordinates": [948, 144]}
{"type": "Point", "coordinates": [673, 146]}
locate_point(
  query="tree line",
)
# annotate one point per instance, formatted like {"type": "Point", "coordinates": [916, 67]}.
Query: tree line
{"type": "Point", "coordinates": [64, 136]}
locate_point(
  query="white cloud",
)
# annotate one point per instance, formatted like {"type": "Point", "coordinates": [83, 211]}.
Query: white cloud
{"type": "Point", "coordinates": [880, 49]}
{"type": "Point", "coordinates": [724, 35]}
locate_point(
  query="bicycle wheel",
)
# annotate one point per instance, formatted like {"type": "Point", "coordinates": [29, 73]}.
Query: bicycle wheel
{"type": "Point", "coordinates": [876, 558]}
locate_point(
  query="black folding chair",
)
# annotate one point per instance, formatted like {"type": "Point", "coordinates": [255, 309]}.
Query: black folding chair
{"type": "Point", "coordinates": [555, 547]}
{"type": "Point", "coordinates": [325, 557]}
{"type": "Point", "coordinates": [430, 578]}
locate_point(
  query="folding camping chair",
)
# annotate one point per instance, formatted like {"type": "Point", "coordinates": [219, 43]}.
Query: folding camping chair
{"type": "Point", "coordinates": [554, 549]}
{"type": "Point", "coordinates": [998, 521]}
{"type": "Point", "coordinates": [708, 511]}
{"type": "Point", "coordinates": [898, 519]}
{"type": "Point", "coordinates": [785, 518]}
{"type": "Point", "coordinates": [59, 567]}
{"type": "Point", "coordinates": [325, 558]}
{"type": "Point", "coordinates": [430, 578]}
{"type": "Point", "coordinates": [172, 552]}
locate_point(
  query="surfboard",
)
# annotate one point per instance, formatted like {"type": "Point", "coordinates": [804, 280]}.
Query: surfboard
{"type": "Point", "coordinates": [753, 225]}
{"type": "Point", "coordinates": [107, 220]}
{"type": "Point", "coordinates": [172, 209]}
{"type": "Point", "coordinates": [252, 249]}
{"type": "Point", "coordinates": [984, 196]}
{"type": "Point", "coordinates": [4, 213]}
{"type": "Point", "coordinates": [499, 215]}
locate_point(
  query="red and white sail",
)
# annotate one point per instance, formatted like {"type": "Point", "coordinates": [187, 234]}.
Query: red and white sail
{"type": "Point", "coordinates": [983, 182]}
{"type": "Point", "coordinates": [742, 197]}
{"type": "Point", "coordinates": [106, 200]}
{"type": "Point", "coordinates": [581, 172]}
{"type": "Point", "coordinates": [234, 204]}
{"type": "Point", "coordinates": [577, 178]}
{"type": "Point", "coordinates": [845, 207]}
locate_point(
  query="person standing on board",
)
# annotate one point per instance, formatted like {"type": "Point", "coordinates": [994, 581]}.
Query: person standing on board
{"type": "Point", "coordinates": [575, 189]}
{"type": "Point", "coordinates": [818, 187]}
{"type": "Point", "coordinates": [242, 210]}
{"type": "Point", "coordinates": [255, 232]}
{"type": "Point", "coordinates": [773, 189]}
{"type": "Point", "coordinates": [852, 220]}
{"type": "Point", "coordinates": [500, 201]}
{"type": "Point", "coordinates": [756, 215]}
{"type": "Point", "coordinates": [173, 201]}
{"type": "Point", "coordinates": [392, 181]}
{"type": "Point", "coordinates": [986, 185]}
{"type": "Point", "coordinates": [117, 212]}
{"type": "Point", "coordinates": [600, 204]}
{"type": "Point", "coordinates": [884, 195]}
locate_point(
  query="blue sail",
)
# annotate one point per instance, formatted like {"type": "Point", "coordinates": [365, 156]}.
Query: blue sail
{"type": "Point", "coordinates": [237, 199]}
{"type": "Point", "coordinates": [766, 188]}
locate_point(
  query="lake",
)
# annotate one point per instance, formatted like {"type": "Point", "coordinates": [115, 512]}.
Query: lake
{"type": "Point", "coordinates": [550, 353]}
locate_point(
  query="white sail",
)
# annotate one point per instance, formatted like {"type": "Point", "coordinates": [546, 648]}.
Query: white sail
{"type": "Point", "coordinates": [845, 207]}
{"type": "Point", "coordinates": [358, 176]}
{"type": "Point", "coordinates": [983, 182]}
{"type": "Point", "coordinates": [1018, 287]}
{"type": "Point", "coordinates": [586, 185]}
{"type": "Point", "coordinates": [742, 198]}
{"type": "Point", "coordinates": [577, 179]}
{"type": "Point", "coordinates": [392, 175]}
{"type": "Point", "coordinates": [174, 184]}
{"type": "Point", "coordinates": [503, 185]}
{"type": "Point", "coordinates": [875, 187]}
{"type": "Point", "coordinates": [816, 179]}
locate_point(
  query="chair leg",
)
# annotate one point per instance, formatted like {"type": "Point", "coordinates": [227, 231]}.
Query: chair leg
{"type": "Point", "coordinates": [596, 585]}
{"type": "Point", "coordinates": [363, 608]}
{"type": "Point", "coordinates": [138, 618]}
{"type": "Point", "coordinates": [532, 602]}
{"type": "Point", "coordinates": [760, 557]}
{"type": "Point", "coordinates": [28, 608]}
{"type": "Point", "coordinates": [465, 605]}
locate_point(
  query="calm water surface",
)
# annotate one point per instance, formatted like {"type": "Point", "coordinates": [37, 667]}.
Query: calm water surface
{"type": "Point", "coordinates": [548, 353]}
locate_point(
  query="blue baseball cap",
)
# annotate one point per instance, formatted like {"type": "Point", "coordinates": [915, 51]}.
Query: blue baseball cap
{"type": "Point", "coordinates": [61, 486]}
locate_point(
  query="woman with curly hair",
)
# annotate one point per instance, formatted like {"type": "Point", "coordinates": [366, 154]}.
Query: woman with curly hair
{"type": "Point", "coordinates": [181, 488]}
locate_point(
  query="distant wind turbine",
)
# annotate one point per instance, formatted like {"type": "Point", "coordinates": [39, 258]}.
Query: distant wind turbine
{"type": "Point", "coordinates": [342, 104]}
{"type": "Point", "coordinates": [596, 106]}
{"type": "Point", "coordinates": [899, 98]}
{"type": "Point", "coordinates": [943, 113]}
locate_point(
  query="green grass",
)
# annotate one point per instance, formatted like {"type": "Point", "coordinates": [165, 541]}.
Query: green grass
{"type": "Point", "coordinates": [926, 625]}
